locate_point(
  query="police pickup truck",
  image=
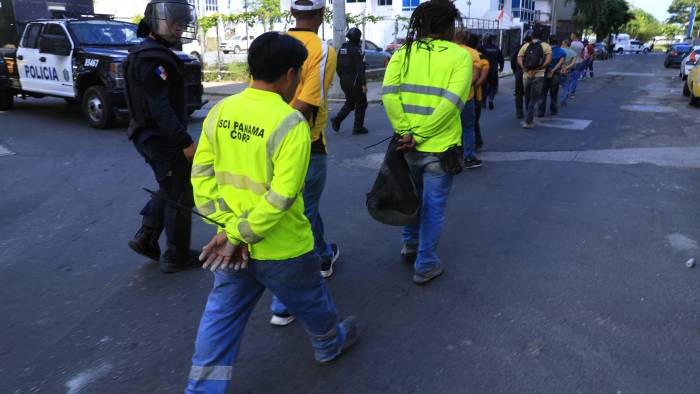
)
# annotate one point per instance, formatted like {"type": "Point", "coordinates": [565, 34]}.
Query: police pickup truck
{"type": "Point", "coordinates": [81, 60]}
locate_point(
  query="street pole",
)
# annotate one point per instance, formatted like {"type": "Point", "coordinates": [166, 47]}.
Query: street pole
{"type": "Point", "coordinates": [469, 9]}
{"type": "Point", "coordinates": [338, 23]}
{"type": "Point", "coordinates": [554, 18]}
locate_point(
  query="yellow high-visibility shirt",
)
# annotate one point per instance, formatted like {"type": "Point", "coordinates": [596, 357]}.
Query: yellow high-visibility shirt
{"type": "Point", "coordinates": [248, 173]}
{"type": "Point", "coordinates": [425, 94]}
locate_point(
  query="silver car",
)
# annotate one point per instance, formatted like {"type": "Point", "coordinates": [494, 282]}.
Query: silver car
{"type": "Point", "coordinates": [375, 57]}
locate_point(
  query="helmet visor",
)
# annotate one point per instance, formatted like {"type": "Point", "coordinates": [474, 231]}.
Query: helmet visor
{"type": "Point", "coordinates": [174, 21]}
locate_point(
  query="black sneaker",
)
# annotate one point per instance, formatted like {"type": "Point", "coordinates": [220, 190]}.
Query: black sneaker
{"type": "Point", "coordinates": [335, 124]}
{"type": "Point", "coordinates": [170, 264]}
{"type": "Point", "coordinates": [491, 105]}
{"type": "Point", "coordinates": [470, 164]}
{"type": "Point", "coordinates": [327, 265]}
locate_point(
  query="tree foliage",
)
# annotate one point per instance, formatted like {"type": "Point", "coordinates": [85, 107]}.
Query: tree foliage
{"type": "Point", "coordinates": [603, 16]}
{"type": "Point", "coordinates": [644, 26]}
{"type": "Point", "coordinates": [680, 11]}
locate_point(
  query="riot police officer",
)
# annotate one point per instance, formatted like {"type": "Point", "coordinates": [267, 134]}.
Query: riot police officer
{"type": "Point", "coordinates": [157, 98]}
{"type": "Point", "coordinates": [351, 70]}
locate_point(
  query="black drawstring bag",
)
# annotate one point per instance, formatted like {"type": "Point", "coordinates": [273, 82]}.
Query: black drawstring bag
{"type": "Point", "coordinates": [393, 199]}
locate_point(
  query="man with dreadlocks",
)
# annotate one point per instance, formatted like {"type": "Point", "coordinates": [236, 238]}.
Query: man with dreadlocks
{"type": "Point", "coordinates": [425, 88]}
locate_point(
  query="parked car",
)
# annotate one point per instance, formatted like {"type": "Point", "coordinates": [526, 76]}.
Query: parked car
{"type": "Point", "coordinates": [375, 57]}
{"type": "Point", "coordinates": [600, 52]}
{"type": "Point", "coordinates": [631, 46]}
{"type": "Point", "coordinates": [395, 45]}
{"type": "Point", "coordinates": [688, 62]}
{"type": "Point", "coordinates": [675, 54]}
{"type": "Point", "coordinates": [237, 44]}
{"type": "Point", "coordinates": [193, 49]}
{"type": "Point", "coordinates": [691, 87]}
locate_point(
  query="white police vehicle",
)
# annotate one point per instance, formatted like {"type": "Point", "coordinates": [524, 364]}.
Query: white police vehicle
{"type": "Point", "coordinates": [81, 60]}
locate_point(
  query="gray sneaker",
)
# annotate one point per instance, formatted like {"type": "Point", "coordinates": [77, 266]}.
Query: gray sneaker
{"type": "Point", "coordinates": [352, 334]}
{"type": "Point", "coordinates": [421, 278]}
{"type": "Point", "coordinates": [409, 253]}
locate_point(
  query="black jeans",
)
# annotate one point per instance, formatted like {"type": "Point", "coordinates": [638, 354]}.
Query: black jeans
{"type": "Point", "coordinates": [491, 88]}
{"type": "Point", "coordinates": [172, 171]}
{"type": "Point", "coordinates": [533, 95]}
{"type": "Point", "coordinates": [519, 92]}
{"type": "Point", "coordinates": [355, 100]}
{"type": "Point", "coordinates": [551, 89]}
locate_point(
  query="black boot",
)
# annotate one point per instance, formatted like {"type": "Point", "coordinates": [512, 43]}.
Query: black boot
{"type": "Point", "coordinates": [145, 241]}
{"type": "Point", "coordinates": [173, 261]}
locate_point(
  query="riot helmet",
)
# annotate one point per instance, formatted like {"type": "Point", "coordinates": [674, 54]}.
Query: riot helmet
{"type": "Point", "coordinates": [354, 35]}
{"type": "Point", "coordinates": [172, 21]}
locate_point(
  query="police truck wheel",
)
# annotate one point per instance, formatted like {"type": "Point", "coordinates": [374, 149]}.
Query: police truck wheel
{"type": "Point", "coordinates": [97, 107]}
{"type": "Point", "coordinates": [7, 100]}
{"type": "Point", "coordinates": [236, 49]}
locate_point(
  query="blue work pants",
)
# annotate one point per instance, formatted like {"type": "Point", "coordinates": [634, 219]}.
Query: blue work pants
{"type": "Point", "coordinates": [433, 185]}
{"type": "Point", "coordinates": [297, 282]}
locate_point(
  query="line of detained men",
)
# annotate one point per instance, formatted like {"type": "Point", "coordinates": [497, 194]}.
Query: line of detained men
{"type": "Point", "coordinates": [264, 190]}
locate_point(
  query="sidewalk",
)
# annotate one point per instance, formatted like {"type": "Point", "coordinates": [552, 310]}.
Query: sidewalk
{"type": "Point", "coordinates": [374, 89]}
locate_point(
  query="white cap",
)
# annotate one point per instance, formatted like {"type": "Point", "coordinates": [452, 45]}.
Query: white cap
{"type": "Point", "coordinates": [308, 5]}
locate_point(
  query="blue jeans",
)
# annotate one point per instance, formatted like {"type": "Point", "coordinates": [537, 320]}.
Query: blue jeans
{"type": "Point", "coordinates": [314, 183]}
{"type": "Point", "coordinates": [296, 281]}
{"type": "Point", "coordinates": [434, 186]}
{"type": "Point", "coordinates": [564, 83]}
{"type": "Point", "coordinates": [468, 118]}
{"type": "Point", "coordinates": [575, 76]}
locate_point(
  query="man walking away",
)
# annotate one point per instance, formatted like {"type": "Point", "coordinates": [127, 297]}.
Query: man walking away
{"type": "Point", "coordinates": [576, 46]}
{"type": "Point", "coordinates": [551, 82]}
{"type": "Point", "coordinates": [468, 115]}
{"type": "Point", "coordinates": [519, 91]}
{"type": "Point", "coordinates": [569, 64]}
{"type": "Point", "coordinates": [479, 95]}
{"type": "Point", "coordinates": [494, 55]}
{"type": "Point", "coordinates": [425, 84]}
{"type": "Point", "coordinates": [311, 99]}
{"type": "Point", "coordinates": [611, 47]}
{"type": "Point", "coordinates": [590, 57]}
{"type": "Point", "coordinates": [252, 177]}
{"type": "Point", "coordinates": [156, 93]}
{"type": "Point", "coordinates": [351, 71]}
{"type": "Point", "coordinates": [533, 58]}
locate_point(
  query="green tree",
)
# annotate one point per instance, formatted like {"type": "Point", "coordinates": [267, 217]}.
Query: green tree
{"type": "Point", "coordinates": [267, 12]}
{"type": "Point", "coordinates": [680, 14]}
{"type": "Point", "coordinates": [644, 26]}
{"type": "Point", "coordinates": [671, 30]}
{"type": "Point", "coordinates": [603, 17]}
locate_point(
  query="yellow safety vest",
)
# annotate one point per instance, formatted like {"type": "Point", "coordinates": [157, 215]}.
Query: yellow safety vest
{"type": "Point", "coordinates": [427, 98]}
{"type": "Point", "coordinates": [249, 171]}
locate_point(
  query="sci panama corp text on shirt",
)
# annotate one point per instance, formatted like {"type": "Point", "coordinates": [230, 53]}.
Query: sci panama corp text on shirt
{"type": "Point", "coordinates": [546, 49]}
{"type": "Point", "coordinates": [316, 77]}
{"type": "Point", "coordinates": [249, 170]}
{"type": "Point", "coordinates": [425, 97]}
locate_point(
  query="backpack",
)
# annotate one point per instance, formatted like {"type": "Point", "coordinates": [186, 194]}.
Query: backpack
{"type": "Point", "coordinates": [534, 56]}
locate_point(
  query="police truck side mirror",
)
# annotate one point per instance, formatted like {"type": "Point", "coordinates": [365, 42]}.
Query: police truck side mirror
{"type": "Point", "coordinates": [54, 45]}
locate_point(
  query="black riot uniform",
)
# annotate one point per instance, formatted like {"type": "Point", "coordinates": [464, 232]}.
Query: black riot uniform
{"type": "Point", "coordinates": [494, 55]}
{"type": "Point", "coordinates": [157, 98]}
{"type": "Point", "coordinates": [351, 70]}
{"type": "Point", "coordinates": [519, 92]}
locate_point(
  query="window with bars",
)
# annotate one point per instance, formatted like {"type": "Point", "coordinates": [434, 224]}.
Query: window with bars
{"type": "Point", "coordinates": [384, 2]}
{"type": "Point", "coordinates": [355, 1]}
{"type": "Point", "coordinates": [211, 5]}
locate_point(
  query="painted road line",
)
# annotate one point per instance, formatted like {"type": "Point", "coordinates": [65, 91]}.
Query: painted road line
{"type": "Point", "coordinates": [630, 74]}
{"type": "Point", "coordinates": [680, 157]}
{"type": "Point", "coordinates": [5, 152]}
{"type": "Point", "coordinates": [649, 108]}
{"type": "Point", "coordinates": [563, 123]}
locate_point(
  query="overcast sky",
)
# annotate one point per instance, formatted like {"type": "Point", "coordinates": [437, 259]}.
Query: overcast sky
{"type": "Point", "coordinates": [655, 7]}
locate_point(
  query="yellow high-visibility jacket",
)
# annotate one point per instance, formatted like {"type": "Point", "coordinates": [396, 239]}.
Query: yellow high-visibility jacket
{"type": "Point", "coordinates": [248, 173]}
{"type": "Point", "coordinates": [426, 98]}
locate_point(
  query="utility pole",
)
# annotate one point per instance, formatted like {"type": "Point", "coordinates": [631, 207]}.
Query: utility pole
{"type": "Point", "coordinates": [554, 18]}
{"type": "Point", "coordinates": [338, 23]}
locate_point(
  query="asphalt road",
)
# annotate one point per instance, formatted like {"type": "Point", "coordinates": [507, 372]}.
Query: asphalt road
{"type": "Point", "coordinates": [564, 260]}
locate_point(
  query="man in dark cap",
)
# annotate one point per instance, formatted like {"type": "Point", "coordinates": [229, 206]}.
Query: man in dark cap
{"type": "Point", "coordinates": [351, 70]}
{"type": "Point", "coordinates": [157, 97]}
